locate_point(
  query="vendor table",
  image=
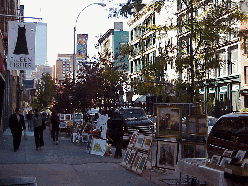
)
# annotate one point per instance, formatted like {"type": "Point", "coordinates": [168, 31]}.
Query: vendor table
{"type": "Point", "coordinates": [196, 167]}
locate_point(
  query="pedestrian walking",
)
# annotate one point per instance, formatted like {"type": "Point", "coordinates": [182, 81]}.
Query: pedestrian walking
{"type": "Point", "coordinates": [29, 117]}
{"type": "Point", "coordinates": [16, 125]}
{"type": "Point", "coordinates": [117, 128]}
{"type": "Point", "coordinates": [38, 129]}
{"type": "Point", "coordinates": [55, 126]}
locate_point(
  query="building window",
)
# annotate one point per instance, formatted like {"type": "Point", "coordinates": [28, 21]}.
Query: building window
{"type": "Point", "coordinates": [246, 74]}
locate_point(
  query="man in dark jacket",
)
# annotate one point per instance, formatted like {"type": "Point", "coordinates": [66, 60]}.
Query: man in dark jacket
{"type": "Point", "coordinates": [16, 125]}
{"type": "Point", "coordinates": [117, 128]}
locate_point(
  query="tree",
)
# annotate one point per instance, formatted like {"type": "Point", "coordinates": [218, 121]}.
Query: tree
{"type": "Point", "coordinates": [45, 91]}
{"type": "Point", "coordinates": [198, 45]}
{"type": "Point", "coordinates": [64, 100]}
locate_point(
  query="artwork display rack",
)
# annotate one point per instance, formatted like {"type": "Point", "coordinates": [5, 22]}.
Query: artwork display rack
{"type": "Point", "coordinates": [137, 154]}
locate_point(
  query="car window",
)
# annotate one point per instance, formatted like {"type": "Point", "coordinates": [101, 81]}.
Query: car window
{"type": "Point", "coordinates": [211, 121]}
{"type": "Point", "coordinates": [133, 113]}
{"type": "Point", "coordinates": [227, 128]}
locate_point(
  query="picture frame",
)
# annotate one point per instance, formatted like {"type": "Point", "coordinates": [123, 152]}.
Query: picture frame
{"type": "Point", "coordinates": [202, 125]}
{"type": "Point", "coordinates": [147, 143]}
{"type": "Point", "coordinates": [215, 160]}
{"type": "Point", "coordinates": [245, 164]}
{"type": "Point", "coordinates": [228, 153]}
{"type": "Point", "coordinates": [98, 147]}
{"type": "Point", "coordinates": [200, 151]}
{"type": "Point", "coordinates": [191, 125]}
{"type": "Point", "coordinates": [240, 155]}
{"type": "Point", "coordinates": [139, 141]}
{"type": "Point", "coordinates": [136, 161]}
{"type": "Point", "coordinates": [85, 137]}
{"type": "Point", "coordinates": [133, 139]}
{"type": "Point", "coordinates": [126, 157]}
{"type": "Point", "coordinates": [224, 161]}
{"type": "Point", "coordinates": [169, 122]}
{"type": "Point", "coordinates": [131, 158]}
{"type": "Point", "coordinates": [188, 150]}
{"type": "Point", "coordinates": [167, 153]}
{"type": "Point", "coordinates": [142, 163]}
{"type": "Point", "coordinates": [89, 144]}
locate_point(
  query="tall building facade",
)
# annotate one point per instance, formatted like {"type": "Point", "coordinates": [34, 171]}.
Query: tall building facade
{"type": "Point", "coordinates": [110, 44]}
{"type": "Point", "coordinates": [64, 67]}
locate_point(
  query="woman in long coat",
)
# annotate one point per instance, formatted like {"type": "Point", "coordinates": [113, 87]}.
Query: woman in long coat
{"type": "Point", "coordinates": [55, 126]}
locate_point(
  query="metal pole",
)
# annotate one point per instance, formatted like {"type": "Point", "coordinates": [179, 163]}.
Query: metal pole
{"type": "Point", "coordinates": [74, 58]}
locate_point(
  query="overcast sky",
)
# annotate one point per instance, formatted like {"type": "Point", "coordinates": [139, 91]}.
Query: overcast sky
{"type": "Point", "coordinates": [61, 15]}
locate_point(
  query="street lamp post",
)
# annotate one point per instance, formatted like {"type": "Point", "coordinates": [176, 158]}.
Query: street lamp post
{"type": "Point", "coordinates": [74, 57]}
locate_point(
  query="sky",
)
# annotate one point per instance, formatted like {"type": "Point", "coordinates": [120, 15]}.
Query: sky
{"type": "Point", "coordinates": [61, 16]}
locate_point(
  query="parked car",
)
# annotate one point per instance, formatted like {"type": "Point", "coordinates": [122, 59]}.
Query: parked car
{"type": "Point", "coordinates": [78, 117]}
{"type": "Point", "coordinates": [230, 132]}
{"type": "Point", "coordinates": [211, 121]}
{"type": "Point", "coordinates": [136, 119]}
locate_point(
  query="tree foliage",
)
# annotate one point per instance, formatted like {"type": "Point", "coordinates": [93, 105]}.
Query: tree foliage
{"type": "Point", "coordinates": [198, 46]}
{"type": "Point", "coordinates": [45, 91]}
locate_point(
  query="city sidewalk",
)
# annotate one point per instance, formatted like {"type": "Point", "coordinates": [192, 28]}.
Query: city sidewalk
{"type": "Point", "coordinates": [70, 164]}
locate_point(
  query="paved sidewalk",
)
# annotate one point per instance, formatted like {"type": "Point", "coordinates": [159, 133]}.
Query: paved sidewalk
{"type": "Point", "coordinates": [70, 164]}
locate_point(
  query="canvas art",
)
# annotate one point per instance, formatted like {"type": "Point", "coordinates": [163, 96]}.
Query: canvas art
{"type": "Point", "coordinates": [131, 158]}
{"type": "Point", "coordinates": [139, 141]}
{"type": "Point", "coordinates": [85, 137]}
{"type": "Point", "coordinates": [200, 151]}
{"type": "Point", "coordinates": [215, 160]}
{"type": "Point", "coordinates": [202, 125]}
{"type": "Point", "coordinates": [126, 157]}
{"type": "Point", "coordinates": [245, 164]}
{"type": "Point", "coordinates": [191, 124]}
{"type": "Point", "coordinates": [169, 121]}
{"type": "Point", "coordinates": [188, 150]}
{"type": "Point", "coordinates": [225, 161]}
{"type": "Point", "coordinates": [147, 143]}
{"type": "Point", "coordinates": [98, 147]}
{"type": "Point", "coordinates": [240, 155]}
{"type": "Point", "coordinates": [142, 163]}
{"type": "Point", "coordinates": [167, 154]}
{"type": "Point", "coordinates": [133, 139]}
{"type": "Point", "coordinates": [228, 153]}
{"type": "Point", "coordinates": [136, 161]}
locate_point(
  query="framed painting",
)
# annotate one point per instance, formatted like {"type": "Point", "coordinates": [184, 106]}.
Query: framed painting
{"type": "Point", "coordinates": [169, 122]}
{"type": "Point", "coordinates": [85, 137]}
{"type": "Point", "coordinates": [136, 161]}
{"type": "Point", "coordinates": [167, 153]}
{"type": "Point", "coordinates": [139, 141]}
{"type": "Point", "coordinates": [126, 157]}
{"type": "Point", "coordinates": [131, 158]}
{"type": "Point", "coordinates": [225, 161]}
{"type": "Point", "coordinates": [133, 139]}
{"type": "Point", "coordinates": [188, 150]}
{"type": "Point", "coordinates": [191, 125]}
{"type": "Point", "coordinates": [202, 125]}
{"type": "Point", "coordinates": [215, 160]}
{"type": "Point", "coordinates": [200, 151]}
{"type": "Point", "coordinates": [142, 163]}
{"type": "Point", "coordinates": [147, 143]}
{"type": "Point", "coordinates": [228, 153]}
{"type": "Point", "coordinates": [98, 147]}
{"type": "Point", "coordinates": [240, 155]}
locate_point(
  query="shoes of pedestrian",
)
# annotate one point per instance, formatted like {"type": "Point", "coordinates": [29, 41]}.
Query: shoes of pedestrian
{"type": "Point", "coordinates": [36, 149]}
{"type": "Point", "coordinates": [15, 150]}
{"type": "Point", "coordinates": [117, 157]}
{"type": "Point", "coordinates": [40, 148]}
{"type": "Point", "coordinates": [54, 142]}
{"type": "Point", "coordinates": [57, 142]}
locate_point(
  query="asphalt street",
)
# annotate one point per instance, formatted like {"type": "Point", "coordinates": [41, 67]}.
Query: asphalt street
{"type": "Point", "coordinates": [69, 164]}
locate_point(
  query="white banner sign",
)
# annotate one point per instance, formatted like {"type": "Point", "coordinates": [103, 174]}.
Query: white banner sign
{"type": "Point", "coordinates": [21, 46]}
